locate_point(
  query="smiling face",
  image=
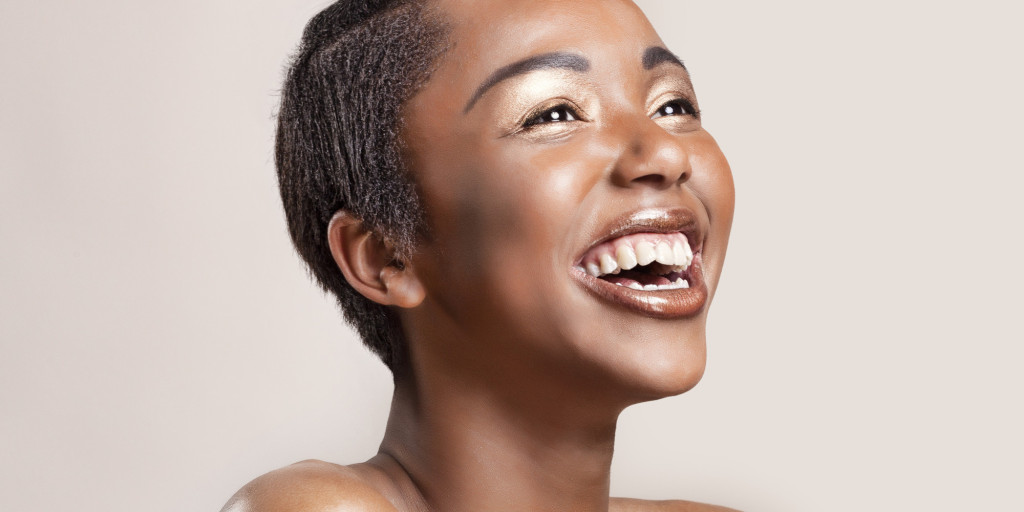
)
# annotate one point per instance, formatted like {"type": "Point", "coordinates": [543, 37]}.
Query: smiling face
{"type": "Point", "coordinates": [562, 165]}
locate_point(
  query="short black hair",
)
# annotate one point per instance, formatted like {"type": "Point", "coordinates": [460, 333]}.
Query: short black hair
{"type": "Point", "coordinates": [338, 144]}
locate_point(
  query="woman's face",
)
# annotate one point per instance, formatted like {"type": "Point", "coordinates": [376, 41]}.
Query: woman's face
{"type": "Point", "coordinates": [557, 144]}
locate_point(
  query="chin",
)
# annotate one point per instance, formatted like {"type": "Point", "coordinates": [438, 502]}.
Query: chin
{"type": "Point", "coordinates": [660, 359]}
{"type": "Point", "coordinates": [671, 372]}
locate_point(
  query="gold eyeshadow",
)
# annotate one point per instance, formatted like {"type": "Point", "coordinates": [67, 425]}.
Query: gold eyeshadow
{"type": "Point", "coordinates": [525, 96]}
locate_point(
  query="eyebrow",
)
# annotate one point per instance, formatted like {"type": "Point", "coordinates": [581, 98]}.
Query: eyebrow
{"type": "Point", "coordinates": [656, 55]}
{"type": "Point", "coordinates": [554, 60]}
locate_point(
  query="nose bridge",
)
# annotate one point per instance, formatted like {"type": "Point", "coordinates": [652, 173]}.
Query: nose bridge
{"type": "Point", "coordinates": [649, 155]}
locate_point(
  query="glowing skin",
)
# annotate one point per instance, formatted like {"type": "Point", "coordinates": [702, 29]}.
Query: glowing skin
{"type": "Point", "coordinates": [520, 358]}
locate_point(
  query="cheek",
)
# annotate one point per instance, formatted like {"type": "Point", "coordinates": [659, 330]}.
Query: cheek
{"type": "Point", "coordinates": [500, 218]}
{"type": "Point", "coordinates": [712, 180]}
{"type": "Point", "coordinates": [522, 199]}
{"type": "Point", "coordinates": [712, 183]}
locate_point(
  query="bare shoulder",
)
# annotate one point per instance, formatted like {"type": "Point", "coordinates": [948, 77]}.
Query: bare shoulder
{"type": "Point", "coordinates": [631, 505]}
{"type": "Point", "coordinates": [310, 485]}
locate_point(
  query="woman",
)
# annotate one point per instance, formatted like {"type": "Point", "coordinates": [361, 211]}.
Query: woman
{"type": "Point", "coordinates": [518, 209]}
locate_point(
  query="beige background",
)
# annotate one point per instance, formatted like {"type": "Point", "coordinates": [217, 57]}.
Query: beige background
{"type": "Point", "coordinates": [160, 344]}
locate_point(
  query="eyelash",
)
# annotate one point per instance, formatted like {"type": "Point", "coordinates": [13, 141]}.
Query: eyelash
{"type": "Point", "coordinates": [565, 112]}
{"type": "Point", "coordinates": [680, 105]}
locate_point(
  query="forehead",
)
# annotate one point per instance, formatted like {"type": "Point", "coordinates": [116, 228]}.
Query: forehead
{"type": "Point", "coordinates": [489, 33]}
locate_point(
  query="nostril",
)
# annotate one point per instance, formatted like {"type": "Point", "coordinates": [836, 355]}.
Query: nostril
{"type": "Point", "coordinates": [650, 179]}
{"type": "Point", "coordinates": [683, 177]}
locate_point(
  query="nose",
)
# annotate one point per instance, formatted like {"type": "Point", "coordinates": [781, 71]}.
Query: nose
{"type": "Point", "coordinates": [651, 156]}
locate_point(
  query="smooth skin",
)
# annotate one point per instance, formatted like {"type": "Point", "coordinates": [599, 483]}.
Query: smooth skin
{"type": "Point", "coordinates": [517, 374]}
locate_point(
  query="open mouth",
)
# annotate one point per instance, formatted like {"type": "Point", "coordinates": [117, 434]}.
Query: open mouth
{"type": "Point", "coordinates": [642, 261]}
{"type": "Point", "coordinates": [651, 262]}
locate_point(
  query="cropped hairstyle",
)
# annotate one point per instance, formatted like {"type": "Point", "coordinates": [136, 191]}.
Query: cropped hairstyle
{"type": "Point", "coordinates": [338, 145]}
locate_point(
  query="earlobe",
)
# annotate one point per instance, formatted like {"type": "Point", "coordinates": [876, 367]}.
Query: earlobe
{"type": "Point", "coordinates": [404, 289]}
{"type": "Point", "coordinates": [368, 264]}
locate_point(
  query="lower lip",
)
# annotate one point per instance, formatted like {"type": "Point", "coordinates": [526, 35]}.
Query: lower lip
{"type": "Point", "coordinates": [657, 304]}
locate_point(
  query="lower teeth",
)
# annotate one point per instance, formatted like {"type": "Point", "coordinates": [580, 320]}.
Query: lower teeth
{"type": "Point", "coordinates": [679, 284]}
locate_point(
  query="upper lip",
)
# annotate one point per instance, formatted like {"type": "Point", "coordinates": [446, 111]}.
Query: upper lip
{"type": "Point", "coordinates": [651, 220]}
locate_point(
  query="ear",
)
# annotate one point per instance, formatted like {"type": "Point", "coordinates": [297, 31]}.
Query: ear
{"type": "Point", "coordinates": [369, 264]}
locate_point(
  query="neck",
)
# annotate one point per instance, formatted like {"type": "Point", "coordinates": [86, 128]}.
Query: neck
{"type": "Point", "coordinates": [458, 447]}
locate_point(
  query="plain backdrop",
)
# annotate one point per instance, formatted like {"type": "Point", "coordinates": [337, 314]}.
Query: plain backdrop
{"type": "Point", "coordinates": [161, 345]}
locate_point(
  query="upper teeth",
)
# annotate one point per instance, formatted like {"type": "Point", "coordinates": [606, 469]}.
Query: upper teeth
{"type": "Point", "coordinates": [628, 252]}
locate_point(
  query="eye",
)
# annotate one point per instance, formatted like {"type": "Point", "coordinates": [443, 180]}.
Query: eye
{"type": "Point", "coordinates": [679, 107]}
{"type": "Point", "coordinates": [558, 114]}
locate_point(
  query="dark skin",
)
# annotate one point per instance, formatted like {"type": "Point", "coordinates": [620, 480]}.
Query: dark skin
{"type": "Point", "coordinates": [551, 126]}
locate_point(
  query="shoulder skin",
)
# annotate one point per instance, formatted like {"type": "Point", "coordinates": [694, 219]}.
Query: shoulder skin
{"type": "Point", "coordinates": [317, 486]}
{"type": "Point", "coordinates": [309, 486]}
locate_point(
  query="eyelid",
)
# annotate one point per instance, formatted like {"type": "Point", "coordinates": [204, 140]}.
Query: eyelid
{"type": "Point", "coordinates": [548, 106]}
{"type": "Point", "coordinates": [690, 106]}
